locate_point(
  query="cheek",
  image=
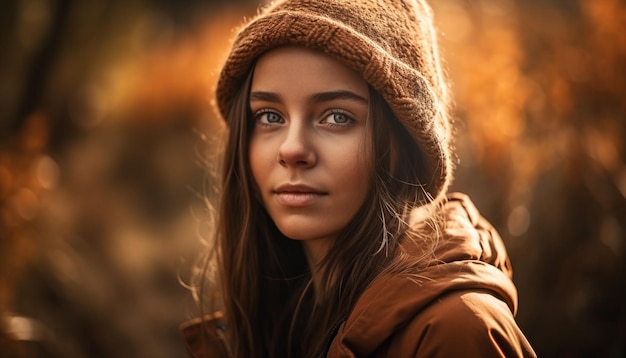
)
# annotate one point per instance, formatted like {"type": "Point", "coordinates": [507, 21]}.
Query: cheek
{"type": "Point", "coordinates": [355, 174]}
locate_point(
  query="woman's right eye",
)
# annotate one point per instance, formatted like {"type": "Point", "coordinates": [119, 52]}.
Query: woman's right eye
{"type": "Point", "coordinates": [268, 117]}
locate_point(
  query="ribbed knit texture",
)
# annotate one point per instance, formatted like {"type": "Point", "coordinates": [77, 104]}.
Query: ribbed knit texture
{"type": "Point", "coordinates": [391, 43]}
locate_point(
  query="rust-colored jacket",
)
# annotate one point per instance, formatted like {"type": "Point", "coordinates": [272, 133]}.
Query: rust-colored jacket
{"type": "Point", "coordinates": [463, 305]}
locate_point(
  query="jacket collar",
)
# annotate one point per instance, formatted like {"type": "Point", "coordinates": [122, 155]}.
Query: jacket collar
{"type": "Point", "coordinates": [469, 256]}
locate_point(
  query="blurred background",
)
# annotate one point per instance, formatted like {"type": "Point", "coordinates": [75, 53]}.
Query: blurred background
{"type": "Point", "coordinates": [105, 107]}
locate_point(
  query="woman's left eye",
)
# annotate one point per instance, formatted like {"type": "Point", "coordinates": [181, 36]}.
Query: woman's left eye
{"type": "Point", "coordinates": [337, 118]}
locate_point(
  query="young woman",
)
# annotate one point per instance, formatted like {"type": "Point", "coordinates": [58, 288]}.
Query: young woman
{"type": "Point", "coordinates": [334, 235]}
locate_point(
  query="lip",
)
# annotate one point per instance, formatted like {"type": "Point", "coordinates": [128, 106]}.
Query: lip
{"type": "Point", "coordinates": [297, 195]}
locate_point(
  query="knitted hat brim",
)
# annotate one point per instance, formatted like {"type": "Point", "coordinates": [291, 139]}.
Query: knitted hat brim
{"type": "Point", "coordinates": [405, 90]}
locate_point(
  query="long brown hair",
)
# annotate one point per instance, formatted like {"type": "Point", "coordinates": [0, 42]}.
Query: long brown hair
{"type": "Point", "coordinates": [261, 279]}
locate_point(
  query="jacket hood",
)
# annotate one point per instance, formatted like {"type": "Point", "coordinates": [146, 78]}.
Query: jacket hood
{"type": "Point", "coordinates": [469, 256]}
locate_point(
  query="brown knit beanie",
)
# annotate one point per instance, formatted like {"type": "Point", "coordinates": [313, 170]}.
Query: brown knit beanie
{"type": "Point", "coordinates": [390, 43]}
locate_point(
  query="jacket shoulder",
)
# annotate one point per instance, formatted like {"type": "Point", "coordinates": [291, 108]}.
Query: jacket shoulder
{"type": "Point", "coordinates": [462, 324]}
{"type": "Point", "coordinates": [204, 337]}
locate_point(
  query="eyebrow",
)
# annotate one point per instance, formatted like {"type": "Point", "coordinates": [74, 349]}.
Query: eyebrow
{"type": "Point", "coordinates": [332, 95]}
{"type": "Point", "coordinates": [317, 97]}
{"type": "Point", "coordinates": [265, 96]}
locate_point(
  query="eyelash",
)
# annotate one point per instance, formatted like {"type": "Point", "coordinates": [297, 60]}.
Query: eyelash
{"type": "Point", "coordinates": [349, 119]}
{"type": "Point", "coordinates": [259, 114]}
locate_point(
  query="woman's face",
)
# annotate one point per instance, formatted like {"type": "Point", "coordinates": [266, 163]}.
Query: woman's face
{"type": "Point", "coordinates": [310, 147]}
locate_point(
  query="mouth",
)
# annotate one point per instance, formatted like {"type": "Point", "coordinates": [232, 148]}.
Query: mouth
{"type": "Point", "coordinates": [297, 195]}
{"type": "Point", "coordinates": [297, 189]}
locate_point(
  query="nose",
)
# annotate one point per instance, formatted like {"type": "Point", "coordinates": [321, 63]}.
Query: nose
{"type": "Point", "coordinates": [296, 149]}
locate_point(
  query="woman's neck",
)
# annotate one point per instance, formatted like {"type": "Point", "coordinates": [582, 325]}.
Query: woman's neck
{"type": "Point", "coordinates": [315, 251]}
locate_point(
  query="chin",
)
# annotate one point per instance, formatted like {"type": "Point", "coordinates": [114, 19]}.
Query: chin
{"type": "Point", "coordinates": [299, 235]}
{"type": "Point", "coordinates": [303, 233]}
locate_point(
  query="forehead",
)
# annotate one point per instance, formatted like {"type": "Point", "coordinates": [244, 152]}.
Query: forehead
{"type": "Point", "coordinates": [298, 68]}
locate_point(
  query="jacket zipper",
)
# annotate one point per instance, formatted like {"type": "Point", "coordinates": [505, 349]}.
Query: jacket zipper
{"type": "Point", "coordinates": [333, 333]}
